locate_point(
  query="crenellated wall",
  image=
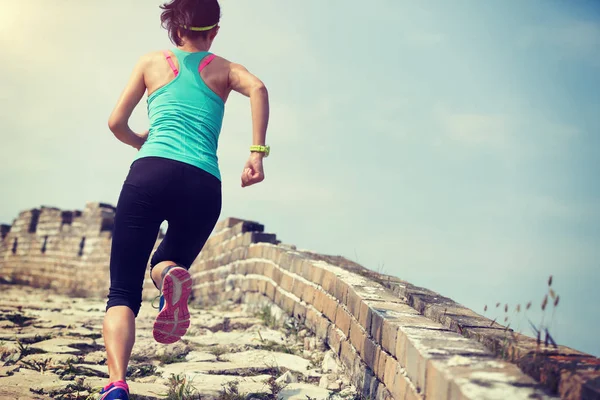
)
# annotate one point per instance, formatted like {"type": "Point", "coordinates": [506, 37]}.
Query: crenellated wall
{"type": "Point", "coordinates": [396, 340]}
{"type": "Point", "coordinates": [64, 250]}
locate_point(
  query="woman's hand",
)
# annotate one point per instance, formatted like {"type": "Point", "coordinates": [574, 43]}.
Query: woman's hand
{"type": "Point", "coordinates": [253, 170]}
{"type": "Point", "coordinates": [139, 140]}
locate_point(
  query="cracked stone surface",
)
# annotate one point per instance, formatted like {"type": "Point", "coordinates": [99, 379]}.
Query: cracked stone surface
{"type": "Point", "coordinates": [51, 348]}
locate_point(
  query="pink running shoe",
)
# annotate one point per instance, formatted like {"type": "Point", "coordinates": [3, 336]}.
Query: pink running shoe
{"type": "Point", "coordinates": [173, 319]}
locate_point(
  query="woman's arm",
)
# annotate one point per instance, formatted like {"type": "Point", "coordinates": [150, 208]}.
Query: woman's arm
{"type": "Point", "coordinates": [131, 96]}
{"type": "Point", "coordinates": [242, 81]}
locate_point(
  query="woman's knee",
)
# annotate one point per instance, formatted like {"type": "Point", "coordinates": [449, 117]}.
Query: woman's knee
{"type": "Point", "coordinates": [125, 296]}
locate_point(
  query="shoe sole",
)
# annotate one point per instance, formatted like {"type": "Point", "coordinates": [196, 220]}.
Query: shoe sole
{"type": "Point", "coordinates": [173, 321]}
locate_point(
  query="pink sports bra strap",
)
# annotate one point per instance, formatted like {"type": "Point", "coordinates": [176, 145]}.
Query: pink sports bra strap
{"type": "Point", "coordinates": [170, 61]}
{"type": "Point", "coordinates": [206, 61]}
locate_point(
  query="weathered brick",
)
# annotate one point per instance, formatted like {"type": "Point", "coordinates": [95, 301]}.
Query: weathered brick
{"type": "Point", "coordinates": [330, 306]}
{"type": "Point", "coordinates": [319, 300]}
{"type": "Point", "coordinates": [396, 382]}
{"type": "Point", "coordinates": [421, 344]}
{"type": "Point", "coordinates": [335, 338]}
{"type": "Point", "coordinates": [322, 327]}
{"type": "Point", "coordinates": [347, 354]}
{"type": "Point", "coordinates": [270, 292]}
{"type": "Point", "coordinates": [342, 320]}
{"type": "Point", "coordinates": [298, 288]}
{"type": "Point", "coordinates": [383, 393]}
{"type": "Point", "coordinates": [275, 251]}
{"type": "Point", "coordinates": [492, 378]}
{"type": "Point", "coordinates": [328, 281]}
{"type": "Point", "coordinates": [286, 259]}
{"type": "Point", "coordinates": [244, 284]}
{"type": "Point", "coordinates": [381, 363]}
{"type": "Point", "coordinates": [340, 290]}
{"type": "Point", "coordinates": [373, 386]}
{"type": "Point", "coordinates": [366, 381]}
{"type": "Point", "coordinates": [357, 336]}
{"type": "Point", "coordinates": [262, 286]}
{"type": "Point", "coordinates": [317, 274]}
{"type": "Point", "coordinates": [389, 337]}
{"type": "Point", "coordinates": [364, 317]}
{"type": "Point", "coordinates": [268, 270]}
{"type": "Point", "coordinates": [312, 318]}
{"type": "Point", "coordinates": [241, 268]}
{"type": "Point", "coordinates": [288, 304]}
{"type": "Point", "coordinates": [278, 299]}
{"type": "Point", "coordinates": [438, 384]}
{"type": "Point", "coordinates": [369, 353]}
{"type": "Point", "coordinates": [277, 275]}
{"type": "Point", "coordinates": [381, 311]}
{"type": "Point", "coordinates": [391, 370]}
{"type": "Point", "coordinates": [255, 268]}
{"type": "Point", "coordinates": [254, 284]}
{"type": "Point", "coordinates": [308, 295]}
{"type": "Point", "coordinates": [306, 269]}
{"type": "Point", "coordinates": [412, 395]}
{"type": "Point", "coordinates": [409, 322]}
{"type": "Point", "coordinates": [353, 302]}
{"type": "Point", "coordinates": [297, 265]}
{"type": "Point", "coordinates": [287, 281]}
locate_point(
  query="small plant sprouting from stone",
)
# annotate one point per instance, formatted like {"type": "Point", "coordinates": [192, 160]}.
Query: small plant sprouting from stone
{"type": "Point", "coordinates": [276, 347]}
{"type": "Point", "coordinates": [181, 388]}
{"type": "Point", "coordinates": [217, 351]}
{"type": "Point", "coordinates": [40, 366]}
{"type": "Point", "coordinates": [274, 388]}
{"type": "Point", "coordinates": [141, 370]}
{"type": "Point", "coordinates": [292, 327]}
{"type": "Point", "coordinates": [230, 391]}
{"type": "Point", "coordinates": [25, 350]}
{"type": "Point", "coordinates": [267, 317]}
{"type": "Point", "coordinates": [173, 357]}
{"type": "Point", "coordinates": [76, 390]}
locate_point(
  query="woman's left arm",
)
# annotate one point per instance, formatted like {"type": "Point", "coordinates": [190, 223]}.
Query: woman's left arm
{"type": "Point", "coordinates": [118, 122]}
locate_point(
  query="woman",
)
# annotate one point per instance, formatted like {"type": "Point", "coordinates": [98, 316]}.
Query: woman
{"type": "Point", "coordinates": [174, 177]}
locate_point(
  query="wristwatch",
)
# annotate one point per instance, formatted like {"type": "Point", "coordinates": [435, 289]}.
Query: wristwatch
{"type": "Point", "coordinates": [260, 149]}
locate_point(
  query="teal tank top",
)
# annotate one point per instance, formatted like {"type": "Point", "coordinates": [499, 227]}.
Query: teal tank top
{"type": "Point", "coordinates": [185, 116]}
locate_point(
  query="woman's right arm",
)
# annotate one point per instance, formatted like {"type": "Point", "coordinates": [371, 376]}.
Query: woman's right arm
{"type": "Point", "coordinates": [242, 81]}
{"type": "Point", "coordinates": [118, 121]}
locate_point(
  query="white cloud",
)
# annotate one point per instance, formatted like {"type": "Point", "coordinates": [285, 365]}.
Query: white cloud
{"type": "Point", "coordinates": [514, 134]}
{"type": "Point", "coordinates": [476, 129]}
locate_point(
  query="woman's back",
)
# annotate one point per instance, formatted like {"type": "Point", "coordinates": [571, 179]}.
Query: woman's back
{"type": "Point", "coordinates": [186, 98]}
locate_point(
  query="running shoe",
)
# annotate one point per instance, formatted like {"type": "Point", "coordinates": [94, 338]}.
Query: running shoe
{"type": "Point", "coordinates": [115, 391]}
{"type": "Point", "coordinates": [173, 319]}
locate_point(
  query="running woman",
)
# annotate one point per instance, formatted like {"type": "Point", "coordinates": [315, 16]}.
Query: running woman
{"type": "Point", "coordinates": [174, 177]}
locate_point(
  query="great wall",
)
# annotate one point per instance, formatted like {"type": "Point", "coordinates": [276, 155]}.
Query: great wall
{"type": "Point", "coordinates": [393, 340]}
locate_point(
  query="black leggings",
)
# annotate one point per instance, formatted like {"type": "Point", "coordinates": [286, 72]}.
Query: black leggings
{"type": "Point", "coordinates": [159, 189]}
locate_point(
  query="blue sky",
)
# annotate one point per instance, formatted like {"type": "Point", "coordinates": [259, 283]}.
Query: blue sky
{"type": "Point", "coordinates": [453, 144]}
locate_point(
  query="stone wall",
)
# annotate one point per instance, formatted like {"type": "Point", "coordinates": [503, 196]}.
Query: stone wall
{"type": "Point", "coordinates": [396, 340]}
{"type": "Point", "coordinates": [64, 250]}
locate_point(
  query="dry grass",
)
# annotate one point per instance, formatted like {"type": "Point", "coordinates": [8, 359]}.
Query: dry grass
{"type": "Point", "coordinates": [540, 331]}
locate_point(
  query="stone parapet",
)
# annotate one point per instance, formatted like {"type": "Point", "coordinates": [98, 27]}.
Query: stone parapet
{"type": "Point", "coordinates": [397, 341]}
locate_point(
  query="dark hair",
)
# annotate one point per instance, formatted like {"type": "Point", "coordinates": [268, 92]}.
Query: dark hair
{"type": "Point", "coordinates": [191, 13]}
